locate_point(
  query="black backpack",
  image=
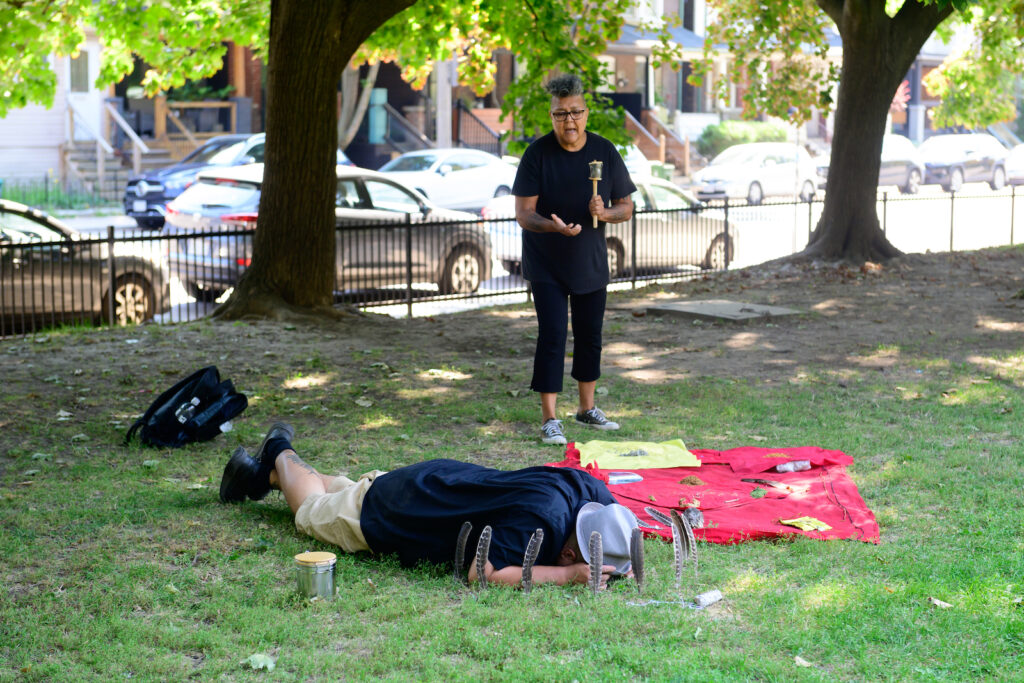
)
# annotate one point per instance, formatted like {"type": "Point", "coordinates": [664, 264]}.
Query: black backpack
{"type": "Point", "coordinates": [192, 410]}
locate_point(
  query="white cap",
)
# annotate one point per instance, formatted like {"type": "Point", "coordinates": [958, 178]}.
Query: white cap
{"type": "Point", "coordinates": [615, 523]}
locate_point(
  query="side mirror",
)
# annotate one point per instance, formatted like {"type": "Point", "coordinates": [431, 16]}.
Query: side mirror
{"type": "Point", "coordinates": [445, 169]}
{"type": "Point", "coordinates": [425, 210]}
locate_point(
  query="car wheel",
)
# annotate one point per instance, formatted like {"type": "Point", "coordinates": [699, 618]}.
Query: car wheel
{"type": "Point", "coordinates": [998, 179]}
{"type": "Point", "coordinates": [616, 258]}
{"type": "Point", "coordinates": [719, 254]}
{"type": "Point", "coordinates": [956, 180]}
{"type": "Point", "coordinates": [463, 270]}
{"type": "Point", "coordinates": [913, 183]}
{"type": "Point", "coordinates": [134, 301]}
{"type": "Point", "coordinates": [512, 267]}
{"type": "Point", "coordinates": [807, 191]}
{"type": "Point", "coordinates": [755, 194]}
{"type": "Point", "coordinates": [204, 295]}
{"type": "Point", "coordinates": [503, 191]}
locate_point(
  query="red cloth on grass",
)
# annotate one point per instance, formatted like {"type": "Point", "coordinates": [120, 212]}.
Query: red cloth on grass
{"type": "Point", "coordinates": [731, 515]}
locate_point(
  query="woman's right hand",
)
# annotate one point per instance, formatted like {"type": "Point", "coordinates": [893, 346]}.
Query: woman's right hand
{"type": "Point", "coordinates": [569, 230]}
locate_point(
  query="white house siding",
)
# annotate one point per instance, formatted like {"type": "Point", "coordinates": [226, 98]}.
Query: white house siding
{"type": "Point", "coordinates": [31, 137]}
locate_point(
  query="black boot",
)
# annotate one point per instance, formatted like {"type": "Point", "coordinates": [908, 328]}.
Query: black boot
{"type": "Point", "coordinates": [243, 477]}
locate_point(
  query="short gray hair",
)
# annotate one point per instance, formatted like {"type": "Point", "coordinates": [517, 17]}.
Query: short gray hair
{"type": "Point", "coordinates": [566, 85]}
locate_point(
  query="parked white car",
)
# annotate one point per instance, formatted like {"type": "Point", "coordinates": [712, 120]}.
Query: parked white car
{"type": "Point", "coordinates": [756, 170]}
{"type": "Point", "coordinates": [453, 178]}
{"type": "Point", "coordinates": [673, 230]}
{"type": "Point", "coordinates": [1015, 166]}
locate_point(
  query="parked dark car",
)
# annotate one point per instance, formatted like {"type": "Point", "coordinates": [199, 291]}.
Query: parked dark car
{"type": "Point", "coordinates": [146, 197]}
{"type": "Point", "coordinates": [51, 274]}
{"type": "Point", "coordinates": [448, 248]}
{"type": "Point", "coordinates": [952, 160]}
{"type": "Point", "coordinates": [901, 164]}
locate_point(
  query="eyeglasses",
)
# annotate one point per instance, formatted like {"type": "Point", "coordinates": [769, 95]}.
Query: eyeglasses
{"type": "Point", "coordinates": [561, 114]}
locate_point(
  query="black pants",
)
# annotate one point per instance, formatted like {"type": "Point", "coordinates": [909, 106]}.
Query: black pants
{"type": "Point", "coordinates": [549, 300]}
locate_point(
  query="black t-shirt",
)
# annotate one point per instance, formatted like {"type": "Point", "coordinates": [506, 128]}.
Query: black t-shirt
{"type": "Point", "coordinates": [561, 182]}
{"type": "Point", "coordinates": [418, 510]}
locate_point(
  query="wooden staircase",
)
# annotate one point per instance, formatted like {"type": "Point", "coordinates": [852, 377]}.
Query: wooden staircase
{"type": "Point", "coordinates": [83, 165]}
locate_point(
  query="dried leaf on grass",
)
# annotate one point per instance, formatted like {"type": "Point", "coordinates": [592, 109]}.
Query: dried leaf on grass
{"type": "Point", "coordinates": [800, 661]}
{"type": "Point", "coordinates": [939, 603]}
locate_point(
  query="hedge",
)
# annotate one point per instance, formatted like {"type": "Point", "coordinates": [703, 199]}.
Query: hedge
{"type": "Point", "coordinates": [728, 133]}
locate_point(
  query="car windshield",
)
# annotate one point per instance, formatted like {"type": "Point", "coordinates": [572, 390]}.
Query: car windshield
{"type": "Point", "coordinates": [942, 143]}
{"type": "Point", "coordinates": [214, 153]}
{"type": "Point", "coordinates": [387, 197]}
{"type": "Point", "coordinates": [211, 193]}
{"type": "Point", "coordinates": [18, 229]}
{"type": "Point", "coordinates": [738, 154]}
{"type": "Point", "coordinates": [413, 162]}
{"type": "Point", "coordinates": [669, 198]}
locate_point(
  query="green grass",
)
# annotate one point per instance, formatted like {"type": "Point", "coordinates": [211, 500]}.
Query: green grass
{"type": "Point", "coordinates": [48, 194]}
{"type": "Point", "coordinates": [120, 563]}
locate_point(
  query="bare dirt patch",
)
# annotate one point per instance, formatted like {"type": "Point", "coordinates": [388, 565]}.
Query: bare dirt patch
{"type": "Point", "coordinates": [964, 308]}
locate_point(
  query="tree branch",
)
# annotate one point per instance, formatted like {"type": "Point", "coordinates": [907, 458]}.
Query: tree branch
{"type": "Point", "coordinates": [916, 20]}
{"type": "Point", "coordinates": [833, 8]}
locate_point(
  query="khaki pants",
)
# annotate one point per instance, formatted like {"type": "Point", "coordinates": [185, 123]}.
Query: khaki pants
{"type": "Point", "coordinates": [333, 517]}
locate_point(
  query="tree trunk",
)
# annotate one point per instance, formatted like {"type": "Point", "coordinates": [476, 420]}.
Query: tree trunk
{"type": "Point", "coordinates": [877, 52]}
{"type": "Point", "coordinates": [293, 258]}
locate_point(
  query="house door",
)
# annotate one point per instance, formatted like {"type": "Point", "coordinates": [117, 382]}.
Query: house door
{"type": "Point", "coordinates": [83, 95]}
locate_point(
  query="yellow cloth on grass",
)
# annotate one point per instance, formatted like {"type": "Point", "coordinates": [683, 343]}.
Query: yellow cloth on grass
{"type": "Point", "coordinates": [609, 454]}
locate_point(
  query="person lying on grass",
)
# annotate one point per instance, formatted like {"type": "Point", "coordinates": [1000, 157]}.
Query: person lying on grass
{"type": "Point", "coordinates": [417, 511]}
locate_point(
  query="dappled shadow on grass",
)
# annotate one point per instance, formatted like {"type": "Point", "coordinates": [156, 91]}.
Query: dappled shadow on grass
{"type": "Point", "coordinates": [914, 370]}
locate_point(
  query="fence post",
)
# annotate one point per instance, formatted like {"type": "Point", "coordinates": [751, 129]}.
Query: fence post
{"type": "Point", "coordinates": [885, 211]}
{"type": "Point", "coordinates": [633, 251]}
{"type": "Point", "coordinates": [728, 238]}
{"type": "Point", "coordinates": [952, 210]}
{"type": "Point", "coordinates": [110, 273]}
{"type": "Point", "coordinates": [810, 217]}
{"type": "Point", "coordinates": [1013, 207]}
{"type": "Point", "coordinates": [408, 265]}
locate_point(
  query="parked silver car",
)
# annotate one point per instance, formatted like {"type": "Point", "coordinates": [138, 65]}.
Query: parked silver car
{"type": "Point", "coordinates": [756, 170]}
{"type": "Point", "coordinates": [50, 274]}
{"type": "Point", "coordinates": [673, 229]}
{"type": "Point", "coordinates": [952, 160]}
{"type": "Point", "coordinates": [374, 249]}
{"type": "Point", "coordinates": [901, 164]}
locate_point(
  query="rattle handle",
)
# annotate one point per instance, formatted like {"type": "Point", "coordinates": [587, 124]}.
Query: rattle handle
{"type": "Point", "coordinates": [595, 194]}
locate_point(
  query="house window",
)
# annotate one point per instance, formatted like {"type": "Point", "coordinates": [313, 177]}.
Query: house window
{"type": "Point", "coordinates": [80, 72]}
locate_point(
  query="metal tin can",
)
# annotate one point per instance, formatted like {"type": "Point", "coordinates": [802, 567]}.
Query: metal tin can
{"type": "Point", "coordinates": [314, 574]}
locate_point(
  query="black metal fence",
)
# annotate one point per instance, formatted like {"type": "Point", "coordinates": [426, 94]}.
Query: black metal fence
{"type": "Point", "coordinates": [422, 266]}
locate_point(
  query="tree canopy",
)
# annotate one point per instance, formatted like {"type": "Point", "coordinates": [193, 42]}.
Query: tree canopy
{"type": "Point", "coordinates": [782, 48]}
{"type": "Point", "coordinates": [177, 39]}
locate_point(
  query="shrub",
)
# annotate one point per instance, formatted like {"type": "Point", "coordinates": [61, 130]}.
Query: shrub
{"type": "Point", "coordinates": [728, 133]}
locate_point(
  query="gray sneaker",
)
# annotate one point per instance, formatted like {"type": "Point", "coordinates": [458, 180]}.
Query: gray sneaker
{"type": "Point", "coordinates": [551, 432]}
{"type": "Point", "coordinates": [596, 419]}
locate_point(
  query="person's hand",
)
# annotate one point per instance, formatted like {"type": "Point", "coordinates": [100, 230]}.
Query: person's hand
{"type": "Point", "coordinates": [568, 230]}
{"type": "Point", "coordinates": [597, 207]}
{"type": "Point", "coordinates": [580, 573]}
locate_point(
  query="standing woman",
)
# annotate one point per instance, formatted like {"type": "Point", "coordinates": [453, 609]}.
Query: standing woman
{"type": "Point", "coordinates": [564, 257]}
